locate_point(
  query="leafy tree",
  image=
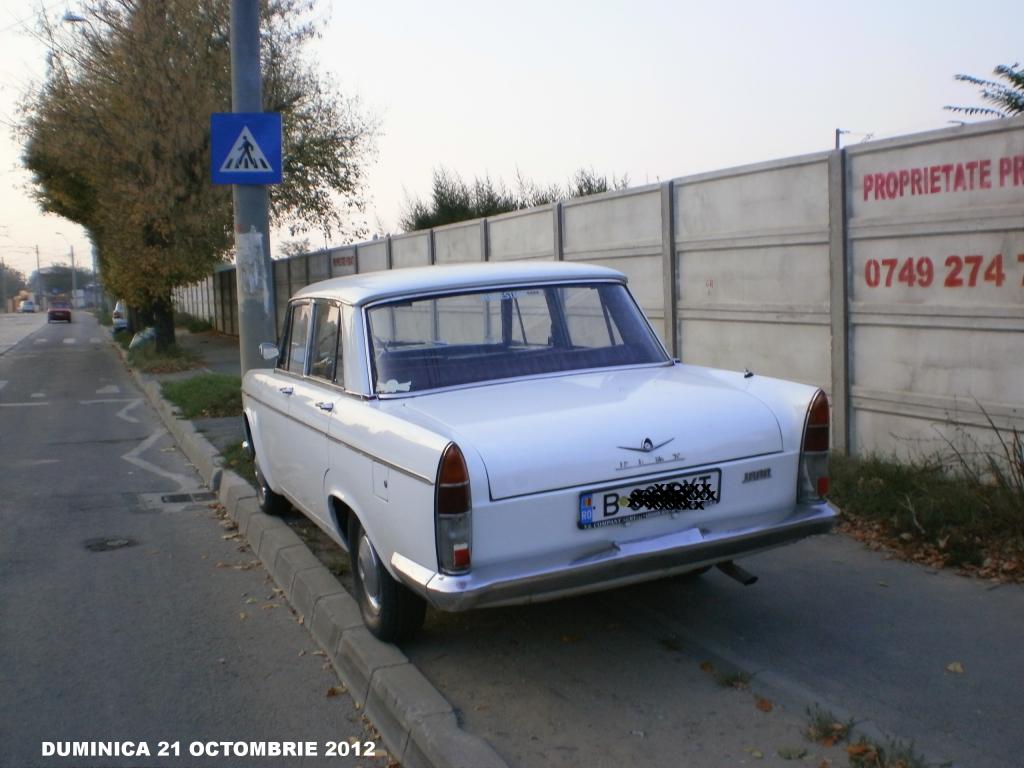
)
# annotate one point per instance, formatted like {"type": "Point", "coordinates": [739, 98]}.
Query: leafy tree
{"type": "Point", "coordinates": [118, 138]}
{"type": "Point", "coordinates": [453, 199]}
{"type": "Point", "coordinates": [1007, 98]}
{"type": "Point", "coordinates": [295, 248]}
{"type": "Point", "coordinates": [12, 280]}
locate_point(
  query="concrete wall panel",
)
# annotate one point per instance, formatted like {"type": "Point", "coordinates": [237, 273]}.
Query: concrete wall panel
{"type": "Point", "coordinates": [373, 256]}
{"type": "Point", "coordinates": [936, 237]}
{"type": "Point", "coordinates": [410, 250]}
{"type": "Point", "coordinates": [343, 261]}
{"type": "Point", "coordinates": [527, 235]}
{"type": "Point", "coordinates": [611, 225]}
{"type": "Point", "coordinates": [458, 244]}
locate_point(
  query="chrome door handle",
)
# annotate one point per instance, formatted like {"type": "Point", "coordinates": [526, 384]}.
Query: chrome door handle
{"type": "Point", "coordinates": [286, 390]}
{"type": "Point", "coordinates": [325, 406]}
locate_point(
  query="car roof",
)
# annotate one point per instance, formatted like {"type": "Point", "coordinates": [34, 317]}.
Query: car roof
{"type": "Point", "coordinates": [373, 286]}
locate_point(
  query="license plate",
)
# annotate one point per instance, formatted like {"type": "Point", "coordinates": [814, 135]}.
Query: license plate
{"type": "Point", "coordinates": [624, 504]}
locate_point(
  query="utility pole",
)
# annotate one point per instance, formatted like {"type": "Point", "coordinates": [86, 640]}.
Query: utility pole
{"type": "Point", "coordinates": [3, 284]}
{"type": "Point", "coordinates": [74, 281]}
{"type": "Point", "coordinates": [254, 270]}
{"type": "Point", "coordinates": [39, 278]}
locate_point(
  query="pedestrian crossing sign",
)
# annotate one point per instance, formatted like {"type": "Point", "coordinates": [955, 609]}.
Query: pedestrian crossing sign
{"type": "Point", "coordinates": [245, 147]}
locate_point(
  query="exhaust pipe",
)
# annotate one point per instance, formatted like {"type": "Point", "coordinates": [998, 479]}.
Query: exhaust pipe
{"type": "Point", "coordinates": [744, 577]}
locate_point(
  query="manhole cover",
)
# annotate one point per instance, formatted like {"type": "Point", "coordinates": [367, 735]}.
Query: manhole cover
{"type": "Point", "coordinates": [108, 543]}
{"type": "Point", "coordinates": [183, 498]}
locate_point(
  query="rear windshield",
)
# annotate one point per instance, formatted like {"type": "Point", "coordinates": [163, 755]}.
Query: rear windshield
{"type": "Point", "coordinates": [444, 341]}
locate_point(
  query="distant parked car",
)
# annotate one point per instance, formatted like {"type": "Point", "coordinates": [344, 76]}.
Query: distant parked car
{"type": "Point", "coordinates": [119, 317]}
{"type": "Point", "coordinates": [27, 305]}
{"type": "Point", "coordinates": [506, 433]}
{"type": "Point", "coordinates": [59, 310]}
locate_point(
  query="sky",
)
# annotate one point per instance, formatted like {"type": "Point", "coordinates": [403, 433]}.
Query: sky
{"type": "Point", "coordinates": [646, 88]}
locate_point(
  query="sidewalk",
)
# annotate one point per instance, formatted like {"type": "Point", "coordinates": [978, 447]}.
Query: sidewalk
{"type": "Point", "coordinates": [219, 353]}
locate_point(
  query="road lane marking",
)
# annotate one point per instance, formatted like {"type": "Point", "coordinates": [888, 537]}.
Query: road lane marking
{"type": "Point", "coordinates": [41, 341]}
{"type": "Point", "coordinates": [38, 395]}
{"type": "Point", "coordinates": [111, 389]}
{"type": "Point", "coordinates": [123, 413]}
{"type": "Point", "coordinates": [95, 340]}
{"type": "Point", "coordinates": [22, 405]}
{"type": "Point", "coordinates": [133, 457]}
{"type": "Point", "coordinates": [71, 341]}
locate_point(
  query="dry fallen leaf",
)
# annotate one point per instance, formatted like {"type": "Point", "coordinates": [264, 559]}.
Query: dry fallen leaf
{"type": "Point", "coordinates": [242, 616]}
{"type": "Point", "coordinates": [570, 638]}
{"type": "Point", "coordinates": [765, 705]}
{"type": "Point", "coordinates": [707, 666]}
{"type": "Point", "coordinates": [334, 690]}
{"type": "Point", "coordinates": [955, 667]}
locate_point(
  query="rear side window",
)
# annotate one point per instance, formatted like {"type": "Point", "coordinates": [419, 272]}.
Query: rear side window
{"type": "Point", "coordinates": [298, 335]}
{"type": "Point", "coordinates": [324, 363]}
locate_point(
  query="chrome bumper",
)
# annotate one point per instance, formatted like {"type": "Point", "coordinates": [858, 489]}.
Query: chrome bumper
{"type": "Point", "coordinates": [622, 563]}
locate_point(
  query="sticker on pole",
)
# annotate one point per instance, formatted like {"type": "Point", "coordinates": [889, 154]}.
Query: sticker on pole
{"type": "Point", "coordinates": [245, 147]}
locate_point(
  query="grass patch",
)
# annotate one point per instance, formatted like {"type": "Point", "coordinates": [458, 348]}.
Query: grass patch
{"type": "Point", "coordinates": [236, 458]}
{"type": "Point", "coordinates": [825, 728]}
{"type": "Point", "coordinates": [103, 316]}
{"type": "Point", "coordinates": [209, 395]}
{"type": "Point", "coordinates": [171, 360]}
{"type": "Point", "coordinates": [123, 338]}
{"type": "Point", "coordinates": [933, 511]}
{"type": "Point", "coordinates": [738, 680]}
{"type": "Point", "coordinates": [192, 323]}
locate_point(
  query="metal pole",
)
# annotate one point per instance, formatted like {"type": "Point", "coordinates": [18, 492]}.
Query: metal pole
{"type": "Point", "coordinates": [74, 281]}
{"type": "Point", "coordinates": [39, 278]}
{"type": "Point", "coordinates": [254, 272]}
{"type": "Point", "coordinates": [3, 284]}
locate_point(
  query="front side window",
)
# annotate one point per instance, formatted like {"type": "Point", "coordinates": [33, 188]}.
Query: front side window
{"type": "Point", "coordinates": [480, 336]}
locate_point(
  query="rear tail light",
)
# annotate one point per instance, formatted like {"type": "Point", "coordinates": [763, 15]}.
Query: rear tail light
{"type": "Point", "coordinates": [813, 479]}
{"type": "Point", "coordinates": [453, 513]}
{"type": "Point", "coordinates": [117, 315]}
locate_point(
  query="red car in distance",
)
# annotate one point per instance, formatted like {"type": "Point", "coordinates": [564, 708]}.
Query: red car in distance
{"type": "Point", "coordinates": [59, 310]}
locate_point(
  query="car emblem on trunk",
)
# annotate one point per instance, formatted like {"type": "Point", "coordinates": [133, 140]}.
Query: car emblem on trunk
{"type": "Point", "coordinates": [646, 446]}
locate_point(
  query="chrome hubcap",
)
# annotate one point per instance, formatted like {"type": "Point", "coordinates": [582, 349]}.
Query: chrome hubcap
{"type": "Point", "coordinates": [369, 573]}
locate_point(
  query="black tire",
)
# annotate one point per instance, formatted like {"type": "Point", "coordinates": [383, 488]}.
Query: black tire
{"type": "Point", "coordinates": [391, 611]}
{"type": "Point", "coordinates": [270, 503]}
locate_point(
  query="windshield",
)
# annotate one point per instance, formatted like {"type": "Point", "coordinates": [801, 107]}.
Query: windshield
{"type": "Point", "coordinates": [484, 336]}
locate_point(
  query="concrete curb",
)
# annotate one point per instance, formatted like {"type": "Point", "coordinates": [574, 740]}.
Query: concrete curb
{"type": "Point", "coordinates": [415, 721]}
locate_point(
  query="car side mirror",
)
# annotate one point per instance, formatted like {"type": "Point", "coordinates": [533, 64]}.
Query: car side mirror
{"type": "Point", "coordinates": [269, 351]}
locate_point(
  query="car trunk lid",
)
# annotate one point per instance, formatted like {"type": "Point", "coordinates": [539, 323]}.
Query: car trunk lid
{"type": "Point", "coordinates": [595, 428]}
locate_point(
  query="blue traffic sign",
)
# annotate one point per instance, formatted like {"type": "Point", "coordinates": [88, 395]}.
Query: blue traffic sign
{"type": "Point", "coordinates": [245, 147]}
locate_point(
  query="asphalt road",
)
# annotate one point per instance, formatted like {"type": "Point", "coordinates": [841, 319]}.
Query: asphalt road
{"type": "Point", "coordinates": [125, 618]}
{"type": "Point", "coordinates": [602, 679]}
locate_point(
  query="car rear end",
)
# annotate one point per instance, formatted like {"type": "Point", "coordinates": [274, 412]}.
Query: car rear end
{"type": "Point", "coordinates": [519, 524]}
{"type": "Point", "coordinates": [59, 313]}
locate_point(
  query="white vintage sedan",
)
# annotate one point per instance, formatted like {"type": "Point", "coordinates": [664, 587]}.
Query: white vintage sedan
{"type": "Point", "coordinates": [506, 433]}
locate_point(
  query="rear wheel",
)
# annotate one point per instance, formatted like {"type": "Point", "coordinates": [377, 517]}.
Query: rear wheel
{"type": "Point", "coordinates": [270, 503]}
{"type": "Point", "coordinates": [390, 610]}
